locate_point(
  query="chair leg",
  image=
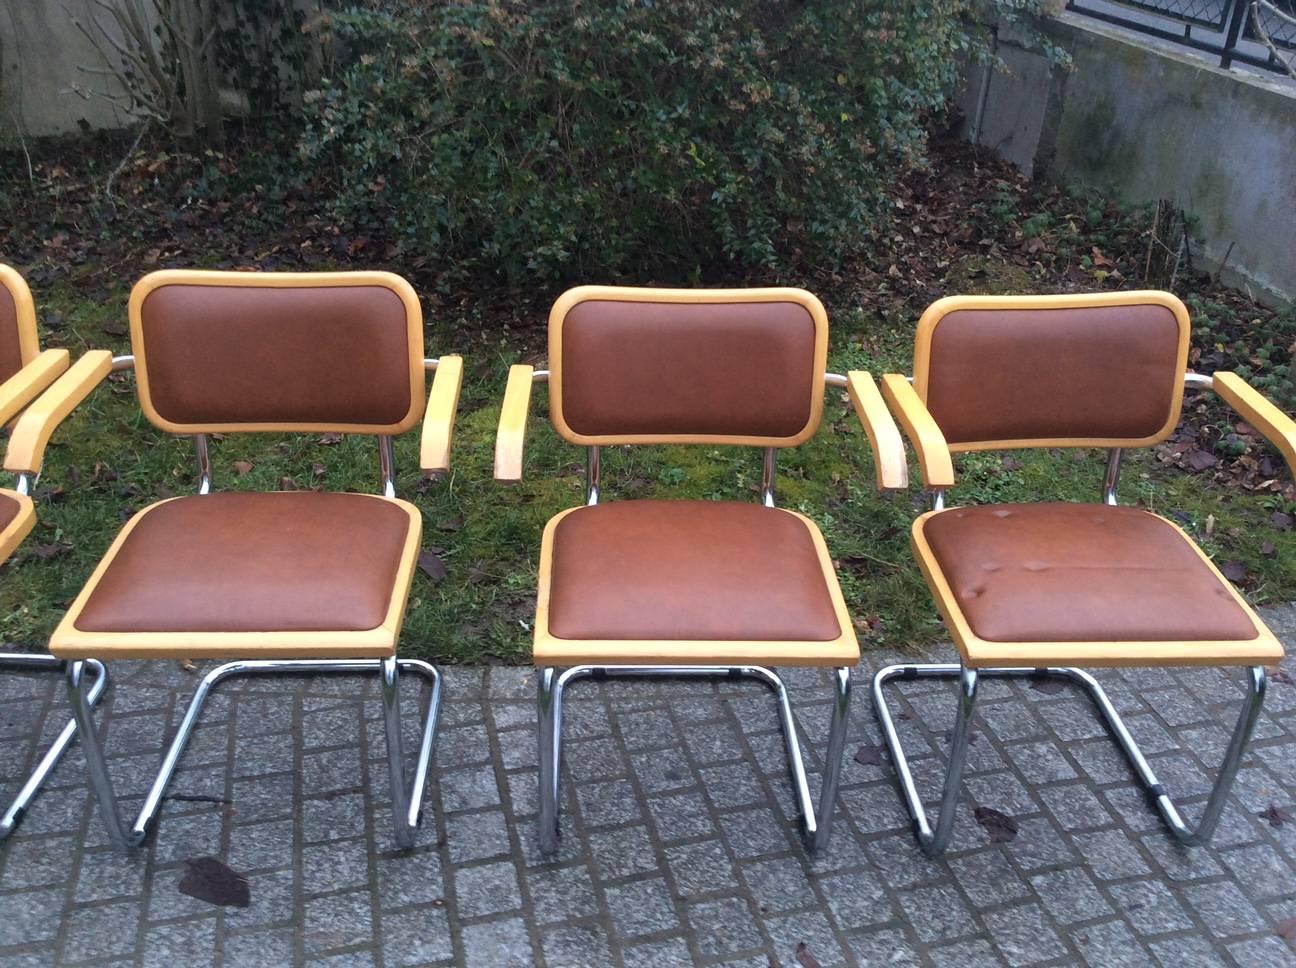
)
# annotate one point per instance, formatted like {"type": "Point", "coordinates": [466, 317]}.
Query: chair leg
{"type": "Point", "coordinates": [390, 676]}
{"type": "Point", "coordinates": [815, 823]}
{"type": "Point", "coordinates": [19, 660]}
{"type": "Point", "coordinates": [407, 802]}
{"type": "Point", "coordinates": [818, 840]}
{"type": "Point", "coordinates": [1242, 731]}
{"type": "Point", "coordinates": [548, 717]}
{"type": "Point", "coordinates": [934, 842]}
{"type": "Point", "coordinates": [96, 766]}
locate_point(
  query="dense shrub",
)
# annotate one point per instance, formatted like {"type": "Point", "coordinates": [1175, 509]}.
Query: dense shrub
{"type": "Point", "coordinates": [626, 138]}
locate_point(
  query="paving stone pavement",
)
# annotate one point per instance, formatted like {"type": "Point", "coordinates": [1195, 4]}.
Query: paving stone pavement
{"type": "Point", "coordinates": [679, 844]}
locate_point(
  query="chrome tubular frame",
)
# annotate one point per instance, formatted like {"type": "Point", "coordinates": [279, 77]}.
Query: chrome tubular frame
{"type": "Point", "coordinates": [816, 824]}
{"type": "Point", "coordinates": [44, 663]}
{"type": "Point", "coordinates": [407, 799]}
{"type": "Point", "coordinates": [1112, 476]}
{"type": "Point", "coordinates": [768, 465]}
{"type": "Point", "coordinates": [203, 456]}
{"type": "Point", "coordinates": [934, 841]}
{"type": "Point", "coordinates": [592, 461]}
{"type": "Point", "coordinates": [387, 465]}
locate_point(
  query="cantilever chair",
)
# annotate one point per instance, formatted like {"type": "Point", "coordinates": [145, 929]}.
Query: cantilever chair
{"type": "Point", "coordinates": [286, 582]}
{"type": "Point", "coordinates": [26, 371]}
{"type": "Point", "coordinates": [689, 588]}
{"type": "Point", "coordinates": [1052, 589]}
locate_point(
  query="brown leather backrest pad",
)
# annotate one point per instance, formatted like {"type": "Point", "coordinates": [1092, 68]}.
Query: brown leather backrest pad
{"type": "Point", "coordinates": [656, 368]}
{"type": "Point", "coordinates": [10, 345]}
{"type": "Point", "coordinates": [1029, 374]}
{"type": "Point", "coordinates": [218, 354]}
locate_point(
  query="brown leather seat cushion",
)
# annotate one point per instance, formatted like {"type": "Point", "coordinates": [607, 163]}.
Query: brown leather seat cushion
{"type": "Point", "coordinates": [1079, 573]}
{"type": "Point", "coordinates": [9, 509]}
{"type": "Point", "coordinates": [300, 561]}
{"type": "Point", "coordinates": [672, 570]}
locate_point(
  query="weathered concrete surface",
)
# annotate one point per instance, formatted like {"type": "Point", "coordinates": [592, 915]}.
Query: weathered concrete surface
{"type": "Point", "coordinates": [42, 54]}
{"type": "Point", "coordinates": [1150, 121]}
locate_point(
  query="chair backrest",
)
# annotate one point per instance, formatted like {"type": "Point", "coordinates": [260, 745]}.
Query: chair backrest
{"type": "Point", "coordinates": [699, 366]}
{"type": "Point", "coordinates": [217, 352]}
{"type": "Point", "coordinates": [19, 342]}
{"type": "Point", "coordinates": [1089, 370]}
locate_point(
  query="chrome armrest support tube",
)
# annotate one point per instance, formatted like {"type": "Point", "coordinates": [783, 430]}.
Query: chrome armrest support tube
{"type": "Point", "coordinates": [387, 465]}
{"type": "Point", "coordinates": [768, 465]}
{"type": "Point", "coordinates": [204, 463]}
{"type": "Point", "coordinates": [1112, 476]}
{"type": "Point", "coordinates": [592, 462]}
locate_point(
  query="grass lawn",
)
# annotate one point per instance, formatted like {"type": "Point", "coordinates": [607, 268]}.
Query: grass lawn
{"type": "Point", "coordinates": [964, 223]}
{"type": "Point", "coordinates": [107, 461]}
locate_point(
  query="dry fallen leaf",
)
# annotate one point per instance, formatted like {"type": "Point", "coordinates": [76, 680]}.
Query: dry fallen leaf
{"type": "Point", "coordinates": [1001, 827]}
{"type": "Point", "coordinates": [868, 755]}
{"type": "Point", "coordinates": [52, 550]}
{"type": "Point", "coordinates": [207, 879]}
{"type": "Point", "coordinates": [804, 957]}
{"type": "Point", "coordinates": [1276, 815]}
{"type": "Point", "coordinates": [430, 564]}
{"type": "Point", "coordinates": [242, 467]}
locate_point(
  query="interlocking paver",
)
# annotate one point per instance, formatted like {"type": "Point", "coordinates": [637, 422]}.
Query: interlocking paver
{"type": "Point", "coordinates": [679, 833]}
{"type": "Point", "coordinates": [488, 889]}
{"type": "Point", "coordinates": [1023, 935]}
{"type": "Point", "coordinates": [1151, 907]}
{"type": "Point", "coordinates": [641, 907]}
{"type": "Point", "coordinates": [1070, 895]}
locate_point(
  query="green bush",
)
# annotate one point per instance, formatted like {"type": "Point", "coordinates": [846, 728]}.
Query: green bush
{"type": "Point", "coordinates": [627, 139]}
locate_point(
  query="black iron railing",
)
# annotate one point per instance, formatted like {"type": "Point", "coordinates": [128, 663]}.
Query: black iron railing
{"type": "Point", "coordinates": [1224, 28]}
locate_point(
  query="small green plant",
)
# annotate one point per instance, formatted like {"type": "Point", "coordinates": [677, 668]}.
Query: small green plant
{"type": "Point", "coordinates": [1256, 344]}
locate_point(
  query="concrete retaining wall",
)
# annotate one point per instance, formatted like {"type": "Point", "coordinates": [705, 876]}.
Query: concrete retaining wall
{"type": "Point", "coordinates": [41, 56]}
{"type": "Point", "coordinates": [1152, 121]}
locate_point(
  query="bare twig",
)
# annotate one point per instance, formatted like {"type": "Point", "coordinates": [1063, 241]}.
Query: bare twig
{"type": "Point", "coordinates": [172, 78]}
{"type": "Point", "coordinates": [126, 157]}
{"type": "Point", "coordinates": [16, 114]}
{"type": "Point", "coordinates": [1223, 262]}
{"type": "Point", "coordinates": [1260, 9]}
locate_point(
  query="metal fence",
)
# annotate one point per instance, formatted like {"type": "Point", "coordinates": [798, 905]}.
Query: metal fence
{"type": "Point", "coordinates": [1225, 28]}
